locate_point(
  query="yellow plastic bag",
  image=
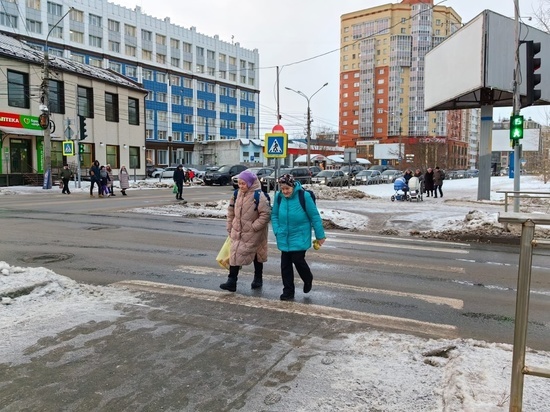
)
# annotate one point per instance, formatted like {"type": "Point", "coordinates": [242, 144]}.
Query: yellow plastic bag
{"type": "Point", "coordinates": [223, 255]}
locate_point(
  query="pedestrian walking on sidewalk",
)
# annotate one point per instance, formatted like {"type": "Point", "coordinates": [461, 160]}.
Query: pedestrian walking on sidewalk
{"type": "Point", "coordinates": [95, 179]}
{"type": "Point", "coordinates": [179, 178]}
{"type": "Point", "coordinates": [123, 180]}
{"type": "Point", "coordinates": [248, 218]}
{"type": "Point", "coordinates": [66, 174]}
{"type": "Point", "coordinates": [294, 216]}
{"type": "Point", "coordinates": [439, 176]}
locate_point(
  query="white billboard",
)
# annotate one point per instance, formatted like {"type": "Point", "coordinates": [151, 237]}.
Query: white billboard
{"type": "Point", "coordinates": [475, 65]}
{"type": "Point", "coordinates": [388, 151]}
{"type": "Point", "coordinates": [529, 143]}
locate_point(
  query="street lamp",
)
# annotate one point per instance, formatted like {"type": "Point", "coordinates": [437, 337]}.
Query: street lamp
{"type": "Point", "coordinates": [308, 118]}
{"type": "Point", "coordinates": [46, 109]}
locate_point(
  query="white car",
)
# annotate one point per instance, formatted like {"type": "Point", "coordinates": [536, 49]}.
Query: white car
{"type": "Point", "coordinates": [166, 173]}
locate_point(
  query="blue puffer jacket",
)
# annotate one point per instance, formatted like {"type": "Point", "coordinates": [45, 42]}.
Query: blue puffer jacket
{"type": "Point", "coordinates": [291, 225]}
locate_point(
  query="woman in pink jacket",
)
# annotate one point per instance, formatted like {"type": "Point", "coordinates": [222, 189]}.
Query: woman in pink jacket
{"type": "Point", "coordinates": [248, 217]}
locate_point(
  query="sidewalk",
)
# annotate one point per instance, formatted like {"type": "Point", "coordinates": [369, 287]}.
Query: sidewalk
{"type": "Point", "coordinates": [66, 346]}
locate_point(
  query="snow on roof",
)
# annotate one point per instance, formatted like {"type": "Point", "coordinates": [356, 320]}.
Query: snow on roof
{"type": "Point", "coordinates": [18, 50]}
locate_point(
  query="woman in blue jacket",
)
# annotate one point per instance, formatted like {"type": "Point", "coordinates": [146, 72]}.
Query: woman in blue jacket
{"type": "Point", "coordinates": [292, 220]}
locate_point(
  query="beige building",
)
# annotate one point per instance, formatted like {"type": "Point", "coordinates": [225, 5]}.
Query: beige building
{"type": "Point", "coordinates": [112, 104]}
{"type": "Point", "coordinates": [382, 83]}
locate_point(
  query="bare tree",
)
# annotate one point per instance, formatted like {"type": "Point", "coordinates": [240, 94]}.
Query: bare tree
{"type": "Point", "coordinates": [542, 15]}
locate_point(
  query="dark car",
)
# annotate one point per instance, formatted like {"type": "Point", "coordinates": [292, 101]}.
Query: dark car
{"type": "Point", "coordinates": [314, 170]}
{"type": "Point", "coordinates": [258, 171]}
{"type": "Point", "coordinates": [223, 175]}
{"type": "Point", "coordinates": [353, 170]}
{"type": "Point", "coordinates": [300, 174]}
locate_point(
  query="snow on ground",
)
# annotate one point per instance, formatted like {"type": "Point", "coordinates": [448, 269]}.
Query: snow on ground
{"type": "Point", "coordinates": [466, 375]}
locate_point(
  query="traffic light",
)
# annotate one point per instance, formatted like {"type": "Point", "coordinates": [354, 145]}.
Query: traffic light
{"type": "Point", "coordinates": [532, 65]}
{"type": "Point", "coordinates": [81, 148]}
{"type": "Point", "coordinates": [83, 131]}
{"type": "Point", "coordinates": [516, 127]}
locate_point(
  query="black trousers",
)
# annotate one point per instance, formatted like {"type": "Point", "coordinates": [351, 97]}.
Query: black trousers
{"type": "Point", "coordinates": [298, 259]}
{"type": "Point", "coordinates": [258, 269]}
{"type": "Point", "coordinates": [437, 188]}
{"type": "Point", "coordinates": [92, 187]}
{"type": "Point", "coordinates": [65, 186]}
{"type": "Point", "coordinates": [180, 189]}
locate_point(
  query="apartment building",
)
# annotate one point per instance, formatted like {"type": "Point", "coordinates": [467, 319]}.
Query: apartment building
{"type": "Point", "coordinates": [382, 83]}
{"type": "Point", "coordinates": [111, 103]}
{"type": "Point", "coordinates": [200, 88]}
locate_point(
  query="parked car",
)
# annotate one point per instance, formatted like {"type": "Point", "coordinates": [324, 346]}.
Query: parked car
{"type": "Point", "coordinates": [330, 178]}
{"type": "Point", "coordinates": [381, 168]}
{"type": "Point", "coordinates": [150, 169]}
{"type": "Point", "coordinates": [472, 173]}
{"type": "Point", "coordinates": [389, 175]}
{"type": "Point", "coordinates": [354, 169]}
{"type": "Point", "coordinates": [314, 170]}
{"type": "Point", "coordinates": [166, 173]}
{"type": "Point", "coordinates": [368, 177]}
{"type": "Point", "coordinates": [258, 171]}
{"type": "Point", "coordinates": [301, 174]}
{"type": "Point", "coordinates": [223, 175]}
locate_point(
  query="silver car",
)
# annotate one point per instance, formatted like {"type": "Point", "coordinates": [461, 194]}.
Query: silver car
{"type": "Point", "coordinates": [368, 177]}
{"type": "Point", "coordinates": [330, 178]}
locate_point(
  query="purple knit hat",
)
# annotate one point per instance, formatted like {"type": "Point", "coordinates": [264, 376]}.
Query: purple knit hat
{"type": "Point", "coordinates": [248, 177]}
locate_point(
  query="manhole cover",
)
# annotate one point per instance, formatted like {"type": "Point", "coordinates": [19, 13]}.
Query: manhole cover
{"type": "Point", "coordinates": [47, 258]}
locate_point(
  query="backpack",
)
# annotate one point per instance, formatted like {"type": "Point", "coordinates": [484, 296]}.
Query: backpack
{"type": "Point", "coordinates": [301, 197]}
{"type": "Point", "coordinates": [256, 197]}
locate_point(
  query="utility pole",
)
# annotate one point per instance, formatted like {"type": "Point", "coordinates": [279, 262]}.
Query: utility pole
{"type": "Point", "coordinates": [517, 106]}
{"type": "Point", "coordinates": [45, 108]}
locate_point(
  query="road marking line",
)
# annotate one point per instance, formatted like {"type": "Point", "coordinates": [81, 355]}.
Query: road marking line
{"type": "Point", "coordinates": [380, 321]}
{"type": "Point", "coordinates": [438, 300]}
{"type": "Point", "coordinates": [408, 247]}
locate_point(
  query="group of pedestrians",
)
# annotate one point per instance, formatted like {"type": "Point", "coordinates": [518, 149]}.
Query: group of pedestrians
{"type": "Point", "coordinates": [294, 215]}
{"type": "Point", "coordinates": [103, 177]}
{"type": "Point", "coordinates": [431, 181]}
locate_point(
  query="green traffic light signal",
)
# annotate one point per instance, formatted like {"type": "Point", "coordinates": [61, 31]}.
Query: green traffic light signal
{"type": "Point", "coordinates": [81, 148]}
{"type": "Point", "coordinates": [516, 127]}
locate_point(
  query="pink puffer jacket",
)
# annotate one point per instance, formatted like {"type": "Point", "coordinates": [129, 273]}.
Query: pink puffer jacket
{"type": "Point", "coordinates": [248, 227]}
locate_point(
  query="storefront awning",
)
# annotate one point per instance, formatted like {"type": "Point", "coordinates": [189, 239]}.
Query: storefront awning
{"type": "Point", "coordinates": [20, 131]}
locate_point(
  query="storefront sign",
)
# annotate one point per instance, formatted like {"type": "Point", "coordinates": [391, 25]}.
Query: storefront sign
{"type": "Point", "coordinates": [20, 121]}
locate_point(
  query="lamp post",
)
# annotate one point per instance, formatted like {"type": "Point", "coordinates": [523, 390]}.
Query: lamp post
{"type": "Point", "coordinates": [308, 118]}
{"type": "Point", "coordinates": [45, 101]}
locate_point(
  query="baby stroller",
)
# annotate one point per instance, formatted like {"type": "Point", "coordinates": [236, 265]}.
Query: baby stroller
{"type": "Point", "coordinates": [415, 189]}
{"type": "Point", "coordinates": [401, 188]}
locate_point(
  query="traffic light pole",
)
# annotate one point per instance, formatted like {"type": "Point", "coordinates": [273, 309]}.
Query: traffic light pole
{"type": "Point", "coordinates": [517, 105]}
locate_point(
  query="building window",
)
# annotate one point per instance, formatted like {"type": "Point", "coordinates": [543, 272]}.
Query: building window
{"type": "Point", "coordinates": [113, 25]}
{"type": "Point", "coordinates": [187, 47]}
{"type": "Point", "coordinates": [135, 158]}
{"type": "Point", "coordinates": [18, 89]}
{"type": "Point", "coordinates": [176, 99]}
{"type": "Point", "coordinates": [160, 39]}
{"type": "Point", "coordinates": [34, 26]}
{"type": "Point", "coordinates": [95, 20]}
{"type": "Point", "coordinates": [161, 58]}
{"type": "Point", "coordinates": [175, 80]}
{"type": "Point", "coordinates": [162, 135]}
{"type": "Point", "coordinates": [176, 118]}
{"type": "Point", "coordinates": [187, 83]}
{"type": "Point", "coordinates": [146, 35]}
{"type": "Point", "coordinates": [33, 4]}
{"type": "Point", "coordinates": [114, 46]}
{"type": "Point", "coordinates": [161, 77]}
{"type": "Point", "coordinates": [161, 97]}
{"type": "Point", "coordinates": [147, 55]}
{"type": "Point", "coordinates": [174, 44]}
{"type": "Point", "coordinates": [129, 30]}
{"type": "Point", "coordinates": [133, 111]}
{"type": "Point", "coordinates": [55, 9]}
{"type": "Point", "coordinates": [175, 62]}
{"type": "Point", "coordinates": [112, 156]}
{"type": "Point", "coordinates": [111, 107]}
{"type": "Point", "coordinates": [94, 41]}
{"type": "Point", "coordinates": [176, 136]}
{"type": "Point", "coordinates": [130, 50]}
{"type": "Point", "coordinates": [8, 20]}
{"type": "Point", "coordinates": [131, 71]}
{"type": "Point", "coordinates": [147, 74]}
{"type": "Point", "coordinates": [77, 37]}
{"type": "Point", "coordinates": [187, 101]}
{"type": "Point", "coordinates": [56, 96]}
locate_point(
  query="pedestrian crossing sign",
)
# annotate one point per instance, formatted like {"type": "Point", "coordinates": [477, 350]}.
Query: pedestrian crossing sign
{"type": "Point", "coordinates": [68, 148]}
{"type": "Point", "coordinates": [275, 145]}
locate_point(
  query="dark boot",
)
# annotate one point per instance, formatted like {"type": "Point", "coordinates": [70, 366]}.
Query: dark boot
{"type": "Point", "coordinates": [231, 284]}
{"type": "Point", "coordinates": [257, 283]}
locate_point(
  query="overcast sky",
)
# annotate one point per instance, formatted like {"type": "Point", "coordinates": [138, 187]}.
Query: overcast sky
{"type": "Point", "coordinates": [301, 37]}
